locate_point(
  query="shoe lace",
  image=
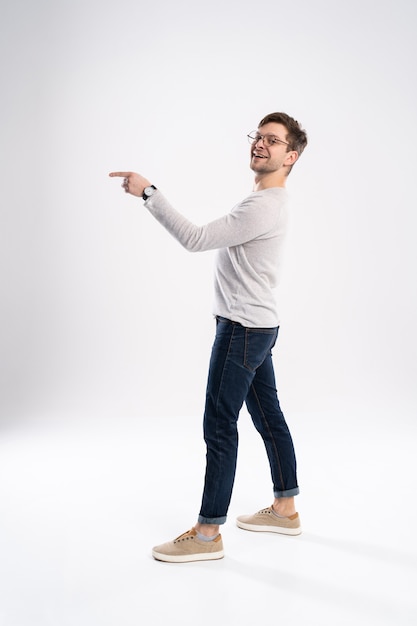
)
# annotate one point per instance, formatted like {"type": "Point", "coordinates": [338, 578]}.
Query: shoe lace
{"type": "Point", "coordinates": [184, 536]}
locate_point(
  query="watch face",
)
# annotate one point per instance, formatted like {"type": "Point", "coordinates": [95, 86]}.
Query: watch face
{"type": "Point", "coordinates": [148, 191]}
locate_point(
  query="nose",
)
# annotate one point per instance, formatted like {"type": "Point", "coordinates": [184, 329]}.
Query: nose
{"type": "Point", "coordinates": [260, 138]}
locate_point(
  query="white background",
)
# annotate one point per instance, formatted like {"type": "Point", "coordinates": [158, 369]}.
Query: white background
{"type": "Point", "coordinates": [103, 312]}
{"type": "Point", "coordinates": [105, 316]}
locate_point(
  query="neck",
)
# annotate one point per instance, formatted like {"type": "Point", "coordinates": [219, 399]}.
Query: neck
{"type": "Point", "coordinates": [266, 181]}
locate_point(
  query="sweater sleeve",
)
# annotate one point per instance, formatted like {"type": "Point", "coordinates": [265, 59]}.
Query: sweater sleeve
{"type": "Point", "coordinates": [254, 217]}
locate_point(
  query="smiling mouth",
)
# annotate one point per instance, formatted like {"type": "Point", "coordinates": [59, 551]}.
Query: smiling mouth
{"type": "Point", "coordinates": [255, 155]}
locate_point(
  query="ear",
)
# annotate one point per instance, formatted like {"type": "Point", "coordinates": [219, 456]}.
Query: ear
{"type": "Point", "coordinates": [291, 157]}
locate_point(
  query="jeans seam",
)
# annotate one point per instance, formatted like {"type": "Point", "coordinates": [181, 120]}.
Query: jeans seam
{"type": "Point", "coordinates": [217, 404]}
{"type": "Point", "coordinates": [272, 438]}
{"type": "Point", "coordinates": [224, 367]}
{"type": "Point", "coordinates": [245, 364]}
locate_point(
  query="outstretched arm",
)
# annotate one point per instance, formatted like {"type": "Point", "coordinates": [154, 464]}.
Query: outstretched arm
{"type": "Point", "coordinates": [251, 218]}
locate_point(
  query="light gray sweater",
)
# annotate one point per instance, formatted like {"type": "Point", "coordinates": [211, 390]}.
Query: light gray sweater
{"type": "Point", "coordinates": [249, 241]}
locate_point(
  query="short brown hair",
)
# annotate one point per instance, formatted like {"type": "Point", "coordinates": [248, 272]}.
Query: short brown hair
{"type": "Point", "coordinates": [296, 136]}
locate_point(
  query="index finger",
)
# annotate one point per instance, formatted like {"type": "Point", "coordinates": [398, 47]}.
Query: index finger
{"type": "Point", "coordinates": [121, 174]}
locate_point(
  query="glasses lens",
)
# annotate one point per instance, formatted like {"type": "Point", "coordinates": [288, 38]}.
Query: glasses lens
{"type": "Point", "coordinates": [268, 140]}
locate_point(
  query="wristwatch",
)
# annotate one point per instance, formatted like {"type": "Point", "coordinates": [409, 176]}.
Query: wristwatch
{"type": "Point", "coordinates": [148, 191]}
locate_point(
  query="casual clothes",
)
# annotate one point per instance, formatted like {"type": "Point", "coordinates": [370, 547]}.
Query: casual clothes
{"type": "Point", "coordinates": [249, 241]}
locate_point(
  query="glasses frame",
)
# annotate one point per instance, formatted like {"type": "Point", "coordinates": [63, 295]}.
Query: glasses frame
{"type": "Point", "coordinates": [265, 138]}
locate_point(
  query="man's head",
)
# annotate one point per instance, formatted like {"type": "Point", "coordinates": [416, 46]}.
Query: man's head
{"type": "Point", "coordinates": [290, 137]}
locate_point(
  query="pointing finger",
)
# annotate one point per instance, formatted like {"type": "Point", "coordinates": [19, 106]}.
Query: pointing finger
{"type": "Point", "coordinates": [121, 174]}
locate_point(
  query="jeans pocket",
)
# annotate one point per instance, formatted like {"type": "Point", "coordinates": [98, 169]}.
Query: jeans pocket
{"type": "Point", "coordinates": [258, 344]}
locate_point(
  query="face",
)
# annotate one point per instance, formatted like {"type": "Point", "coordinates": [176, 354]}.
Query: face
{"type": "Point", "coordinates": [266, 159]}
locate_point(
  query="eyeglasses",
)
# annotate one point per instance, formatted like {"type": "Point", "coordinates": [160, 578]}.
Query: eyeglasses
{"type": "Point", "coordinates": [269, 140]}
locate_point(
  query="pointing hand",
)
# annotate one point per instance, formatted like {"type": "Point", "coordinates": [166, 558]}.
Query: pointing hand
{"type": "Point", "coordinates": [132, 183]}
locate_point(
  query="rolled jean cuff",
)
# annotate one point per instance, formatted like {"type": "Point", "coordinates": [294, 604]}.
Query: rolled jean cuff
{"type": "Point", "coordinates": [289, 493]}
{"type": "Point", "coordinates": [212, 520]}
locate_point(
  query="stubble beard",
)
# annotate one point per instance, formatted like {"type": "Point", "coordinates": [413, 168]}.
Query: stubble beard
{"type": "Point", "coordinates": [261, 166]}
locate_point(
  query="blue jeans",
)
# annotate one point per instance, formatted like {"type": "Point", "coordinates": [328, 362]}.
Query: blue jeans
{"type": "Point", "coordinates": [241, 370]}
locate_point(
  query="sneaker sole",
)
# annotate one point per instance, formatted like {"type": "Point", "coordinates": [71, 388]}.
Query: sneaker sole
{"type": "Point", "coordinates": [187, 558]}
{"type": "Point", "coordinates": [269, 529]}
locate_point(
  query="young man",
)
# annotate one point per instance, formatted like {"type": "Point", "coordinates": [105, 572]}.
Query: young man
{"type": "Point", "coordinates": [249, 241]}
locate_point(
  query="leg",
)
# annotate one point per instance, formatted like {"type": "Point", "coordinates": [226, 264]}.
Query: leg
{"type": "Point", "coordinates": [227, 386]}
{"type": "Point", "coordinates": [263, 405]}
{"type": "Point", "coordinates": [237, 352]}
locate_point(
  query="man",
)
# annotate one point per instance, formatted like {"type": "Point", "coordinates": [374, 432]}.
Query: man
{"type": "Point", "coordinates": [249, 241]}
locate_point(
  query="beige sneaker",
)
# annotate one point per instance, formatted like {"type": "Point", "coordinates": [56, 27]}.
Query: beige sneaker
{"type": "Point", "coordinates": [188, 547]}
{"type": "Point", "coordinates": [266, 520]}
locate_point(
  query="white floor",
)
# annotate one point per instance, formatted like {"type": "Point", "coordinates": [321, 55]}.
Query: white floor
{"type": "Point", "coordinates": [83, 501]}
